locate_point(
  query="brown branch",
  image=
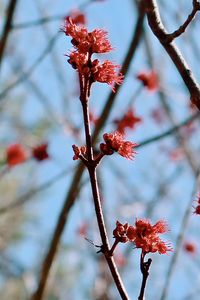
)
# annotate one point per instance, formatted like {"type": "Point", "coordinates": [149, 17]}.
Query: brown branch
{"type": "Point", "coordinates": [182, 28]}
{"type": "Point", "coordinates": [75, 183]}
{"type": "Point", "coordinates": [7, 27]}
{"type": "Point", "coordinates": [144, 268]}
{"type": "Point", "coordinates": [91, 166]}
{"type": "Point", "coordinates": [161, 33]}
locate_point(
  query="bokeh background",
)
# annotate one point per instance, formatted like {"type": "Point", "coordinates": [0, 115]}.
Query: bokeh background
{"type": "Point", "coordinates": [39, 103]}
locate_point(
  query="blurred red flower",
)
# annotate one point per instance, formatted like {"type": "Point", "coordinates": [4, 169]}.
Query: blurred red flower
{"type": "Point", "coordinates": [40, 152]}
{"type": "Point", "coordinates": [149, 80]}
{"type": "Point", "coordinates": [15, 155]}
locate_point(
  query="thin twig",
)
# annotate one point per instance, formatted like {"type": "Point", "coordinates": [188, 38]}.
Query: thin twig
{"type": "Point", "coordinates": [182, 28]}
{"type": "Point", "coordinates": [144, 268]}
{"type": "Point", "coordinates": [7, 27]}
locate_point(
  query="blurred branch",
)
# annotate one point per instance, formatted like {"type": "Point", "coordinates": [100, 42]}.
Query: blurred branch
{"type": "Point", "coordinates": [31, 193]}
{"type": "Point", "coordinates": [38, 22]}
{"type": "Point", "coordinates": [7, 27]}
{"type": "Point", "coordinates": [170, 131]}
{"type": "Point", "coordinates": [160, 32]}
{"type": "Point", "coordinates": [180, 239]}
{"type": "Point", "coordinates": [48, 19]}
{"type": "Point", "coordinates": [75, 183]}
{"type": "Point", "coordinates": [25, 75]}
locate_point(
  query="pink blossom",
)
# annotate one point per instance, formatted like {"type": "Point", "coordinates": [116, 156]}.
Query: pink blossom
{"type": "Point", "coordinates": [115, 142]}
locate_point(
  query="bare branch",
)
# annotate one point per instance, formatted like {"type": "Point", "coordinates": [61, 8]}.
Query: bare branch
{"type": "Point", "coordinates": [182, 28]}
{"type": "Point", "coordinates": [7, 27]}
{"type": "Point", "coordinates": [161, 33]}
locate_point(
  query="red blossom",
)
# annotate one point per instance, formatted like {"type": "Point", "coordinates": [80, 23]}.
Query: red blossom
{"type": "Point", "coordinates": [98, 39]}
{"type": "Point", "coordinates": [40, 152]}
{"type": "Point", "coordinates": [15, 155]}
{"type": "Point", "coordinates": [78, 151]}
{"type": "Point", "coordinates": [145, 236]}
{"type": "Point", "coordinates": [129, 120]}
{"type": "Point", "coordinates": [93, 42]}
{"type": "Point", "coordinates": [149, 80]}
{"type": "Point", "coordinates": [115, 142]}
{"type": "Point", "coordinates": [79, 61]}
{"type": "Point", "coordinates": [189, 247]}
{"type": "Point", "coordinates": [107, 72]}
{"type": "Point", "coordinates": [120, 232]}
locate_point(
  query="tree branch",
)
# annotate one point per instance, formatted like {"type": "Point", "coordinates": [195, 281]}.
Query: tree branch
{"type": "Point", "coordinates": [7, 27]}
{"type": "Point", "coordinates": [161, 33]}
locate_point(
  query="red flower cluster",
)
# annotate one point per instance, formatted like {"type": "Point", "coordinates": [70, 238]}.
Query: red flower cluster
{"type": "Point", "coordinates": [114, 142]}
{"type": "Point", "coordinates": [120, 232]}
{"type": "Point", "coordinates": [85, 44]}
{"type": "Point", "coordinates": [15, 155]}
{"type": "Point", "coordinates": [144, 235]}
{"type": "Point", "coordinates": [40, 152]}
{"type": "Point", "coordinates": [107, 72]}
{"type": "Point", "coordinates": [149, 80]}
{"type": "Point", "coordinates": [78, 151]}
{"type": "Point", "coordinates": [197, 208]}
{"type": "Point", "coordinates": [129, 120]}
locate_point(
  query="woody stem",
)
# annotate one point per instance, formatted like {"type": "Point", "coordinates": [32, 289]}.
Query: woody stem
{"type": "Point", "coordinates": [91, 166]}
{"type": "Point", "coordinates": [144, 267]}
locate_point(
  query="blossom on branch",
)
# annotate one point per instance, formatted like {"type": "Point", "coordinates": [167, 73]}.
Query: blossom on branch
{"type": "Point", "coordinates": [79, 62]}
{"type": "Point", "coordinates": [84, 41]}
{"type": "Point", "coordinates": [120, 232]}
{"type": "Point", "coordinates": [107, 72]}
{"type": "Point", "coordinates": [115, 142]}
{"type": "Point", "coordinates": [85, 44]}
{"type": "Point", "coordinates": [78, 151]}
{"type": "Point", "coordinates": [145, 236]}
